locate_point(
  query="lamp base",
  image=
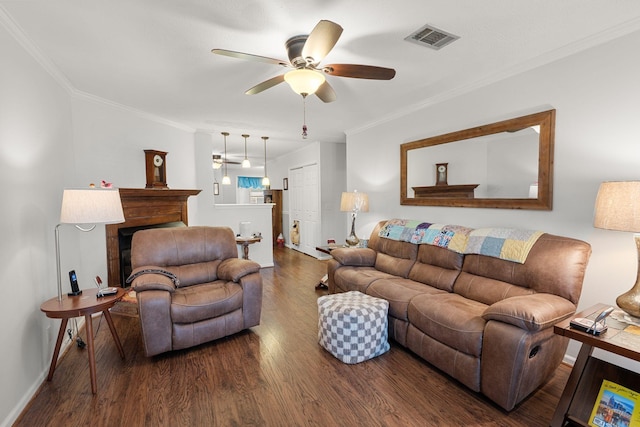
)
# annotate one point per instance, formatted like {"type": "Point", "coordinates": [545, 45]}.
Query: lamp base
{"type": "Point", "coordinates": [629, 302]}
{"type": "Point", "coordinates": [352, 239]}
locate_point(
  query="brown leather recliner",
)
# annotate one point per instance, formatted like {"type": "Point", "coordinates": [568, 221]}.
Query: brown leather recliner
{"type": "Point", "coordinates": [191, 286]}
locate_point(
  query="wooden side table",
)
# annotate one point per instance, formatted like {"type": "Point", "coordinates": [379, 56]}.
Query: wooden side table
{"type": "Point", "coordinates": [245, 242]}
{"type": "Point", "coordinates": [85, 305]}
{"type": "Point", "coordinates": [586, 377]}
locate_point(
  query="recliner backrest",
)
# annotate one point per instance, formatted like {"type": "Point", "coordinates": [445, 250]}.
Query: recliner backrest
{"type": "Point", "coordinates": [191, 253]}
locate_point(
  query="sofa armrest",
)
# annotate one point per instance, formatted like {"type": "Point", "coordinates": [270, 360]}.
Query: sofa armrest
{"type": "Point", "coordinates": [147, 278]}
{"type": "Point", "coordinates": [235, 268]}
{"type": "Point", "coordinates": [531, 312]}
{"type": "Point", "coordinates": [358, 257]}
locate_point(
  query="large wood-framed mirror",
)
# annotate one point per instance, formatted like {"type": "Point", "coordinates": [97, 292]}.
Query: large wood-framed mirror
{"type": "Point", "coordinates": [507, 164]}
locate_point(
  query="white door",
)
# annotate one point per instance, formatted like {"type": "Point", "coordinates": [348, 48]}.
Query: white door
{"type": "Point", "coordinates": [304, 207]}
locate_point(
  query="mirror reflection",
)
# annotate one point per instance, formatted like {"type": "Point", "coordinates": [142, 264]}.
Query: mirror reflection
{"type": "Point", "coordinates": [505, 164]}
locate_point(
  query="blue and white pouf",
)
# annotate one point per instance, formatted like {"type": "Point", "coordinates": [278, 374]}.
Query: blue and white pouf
{"type": "Point", "coordinates": [353, 326]}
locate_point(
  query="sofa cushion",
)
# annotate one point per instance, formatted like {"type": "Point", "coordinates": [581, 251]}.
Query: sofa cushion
{"type": "Point", "coordinates": [399, 292]}
{"type": "Point", "coordinates": [394, 257]}
{"type": "Point", "coordinates": [205, 301]}
{"type": "Point", "coordinates": [350, 278]}
{"type": "Point", "coordinates": [555, 265]}
{"type": "Point", "coordinates": [486, 290]}
{"type": "Point", "coordinates": [437, 267]}
{"type": "Point", "coordinates": [451, 319]}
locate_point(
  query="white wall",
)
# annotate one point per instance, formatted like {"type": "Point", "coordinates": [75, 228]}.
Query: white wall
{"type": "Point", "coordinates": [35, 148]}
{"type": "Point", "coordinates": [51, 139]}
{"type": "Point", "coordinates": [597, 139]}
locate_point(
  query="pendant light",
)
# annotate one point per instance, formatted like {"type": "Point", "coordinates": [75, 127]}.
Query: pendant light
{"type": "Point", "coordinates": [225, 179]}
{"type": "Point", "coordinates": [265, 179]}
{"type": "Point", "coordinates": [245, 163]}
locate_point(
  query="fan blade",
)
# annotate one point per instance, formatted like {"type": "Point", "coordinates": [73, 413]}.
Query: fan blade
{"type": "Point", "coordinates": [326, 93]}
{"type": "Point", "coordinates": [321, 40]}
{"type": "Point", "coordinates": [265, 85]}
{"type": "Point", "coordinates": [360, 71]}
{"type": "Point", "coordinates": [250, 57]}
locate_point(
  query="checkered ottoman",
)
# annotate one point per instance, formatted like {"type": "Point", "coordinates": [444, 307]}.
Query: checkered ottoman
{"type": "Point", "coordinates": [353, 326]}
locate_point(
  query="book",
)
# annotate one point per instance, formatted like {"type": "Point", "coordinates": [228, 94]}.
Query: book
{"type": "Point", "coordinates": [616, 406]}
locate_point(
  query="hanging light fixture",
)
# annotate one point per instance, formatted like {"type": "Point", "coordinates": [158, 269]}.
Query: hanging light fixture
{"type": "Point", "coordinates": [265, 179]}
{"type": "Point", "coordinates": [225, 179]}
{"type": "Point", "coordinates": [304, 81]}
{"type": "Point", "coordinates": [245, 163]}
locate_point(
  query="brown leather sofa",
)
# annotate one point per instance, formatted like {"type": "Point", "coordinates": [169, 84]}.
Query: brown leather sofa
{"type": "Point", "coordinates": [191, 287]}
{"type": "Point", "coordinates": [485, 321]}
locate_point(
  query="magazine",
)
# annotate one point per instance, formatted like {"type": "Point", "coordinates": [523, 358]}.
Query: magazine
{"type": "Point", "coordinates": [616, 406]}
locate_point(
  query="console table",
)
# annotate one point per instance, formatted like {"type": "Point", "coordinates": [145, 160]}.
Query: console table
{"type": "Point", "coordinates": [583, 384]}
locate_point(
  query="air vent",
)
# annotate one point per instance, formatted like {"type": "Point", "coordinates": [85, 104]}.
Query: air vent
{"type": "Point", "coordinates": [431, 37]}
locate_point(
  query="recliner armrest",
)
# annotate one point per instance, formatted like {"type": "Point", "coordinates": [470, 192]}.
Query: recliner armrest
{"type": "Point", "coordinates": [235, 268]}
{"type": "Point", "coordinates": [145, 278]}
{"type": "Point", "coordinates": [531, 312]}
{"type": "Point", "coordinates": [358, 257]}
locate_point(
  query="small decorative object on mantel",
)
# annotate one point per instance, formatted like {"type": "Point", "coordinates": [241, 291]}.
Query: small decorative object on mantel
{"type": "Point", "coordinates": [156, 167]}
{"type": "Point", "coordinates": [441, 173]}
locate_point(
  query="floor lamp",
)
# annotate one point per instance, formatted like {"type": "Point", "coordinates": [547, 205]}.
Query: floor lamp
{"type": "Point", "coordinates": [618, 208]}
{"type": "Point", "coordinates": [87, 206]}
{"type": "Point", "coordinates": [354, 202]}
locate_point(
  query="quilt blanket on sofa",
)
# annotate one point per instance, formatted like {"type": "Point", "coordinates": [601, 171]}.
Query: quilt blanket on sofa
{"type": "Point", "coordinates": [505, 243]}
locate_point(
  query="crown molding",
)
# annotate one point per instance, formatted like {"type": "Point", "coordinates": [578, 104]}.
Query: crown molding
{"type": "Point", "coordinates": [544, 59]}
{"type": "Point", "coordinates": [142, 114]}
{"type": "Point", "coordinates": [19, 34]}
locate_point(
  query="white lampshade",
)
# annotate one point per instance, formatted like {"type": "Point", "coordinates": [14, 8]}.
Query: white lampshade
{"type": "Point", "coordinates": [246, 163]}
{"type": "Point", "coordinates": [91, 206]}
{"type": "Point", "coordinates": [618, 206]}
{"type": "Point", "coordinates": [354, 202]}
{"type": "Point", "coordinates": [266, 182]}
{"type": "Point", "coordinates": [304, 81]}
{"type": "Point", "coordinates": [226, 180]}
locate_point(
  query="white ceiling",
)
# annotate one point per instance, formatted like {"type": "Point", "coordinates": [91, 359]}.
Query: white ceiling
{"type": "Point", "coordinates": [154, 55]}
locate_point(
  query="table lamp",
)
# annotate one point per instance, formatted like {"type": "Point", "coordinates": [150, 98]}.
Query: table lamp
{"type": "Point", "coordinates": [354, 202]}
{"type": "Point", "coordinates": [618, 208]}
{"type": "Point", "coordinates": [87, 206]}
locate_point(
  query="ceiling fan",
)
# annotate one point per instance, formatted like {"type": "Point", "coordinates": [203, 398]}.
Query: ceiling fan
{"type": "Point", "coordinates": [219, 160]}
{"type": "Point", "coordinates": [305, 53]}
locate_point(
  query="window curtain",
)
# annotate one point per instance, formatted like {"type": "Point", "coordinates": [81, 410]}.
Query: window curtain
{"type": "Point", "coordinates": [250, 182]}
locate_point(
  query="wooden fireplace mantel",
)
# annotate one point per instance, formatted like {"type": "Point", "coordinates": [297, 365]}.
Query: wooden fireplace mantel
{"type": "Point", "coordinates": [141, 207]}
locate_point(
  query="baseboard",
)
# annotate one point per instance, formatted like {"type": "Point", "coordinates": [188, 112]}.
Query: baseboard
{"type": "Point", "coordinates": [24, 401]}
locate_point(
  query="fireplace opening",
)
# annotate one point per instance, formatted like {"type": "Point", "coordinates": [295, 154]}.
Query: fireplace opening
{"type": "Point", "coordinates": [125, 235]}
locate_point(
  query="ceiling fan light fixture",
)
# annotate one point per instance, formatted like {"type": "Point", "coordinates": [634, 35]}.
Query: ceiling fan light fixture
{"type": "Point", "coordinates": [304, 81]}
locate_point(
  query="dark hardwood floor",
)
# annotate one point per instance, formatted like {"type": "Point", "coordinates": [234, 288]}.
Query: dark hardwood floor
{"type": "Point", "coordinates": [275, 374]}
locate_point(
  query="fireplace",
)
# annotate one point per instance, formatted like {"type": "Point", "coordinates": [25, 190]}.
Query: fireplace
{"type": "Point", "coordinates": [143, 208]}
{"type": "Point", "coordinates": [125, 235]}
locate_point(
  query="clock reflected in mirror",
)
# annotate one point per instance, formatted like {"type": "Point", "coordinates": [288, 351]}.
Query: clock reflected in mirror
{"type": "Point", "coordinates": [441, 173]}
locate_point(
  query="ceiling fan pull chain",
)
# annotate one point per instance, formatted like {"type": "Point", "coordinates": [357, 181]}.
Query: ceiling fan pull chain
{"type": "Point", "coordinates": [304, 116]}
